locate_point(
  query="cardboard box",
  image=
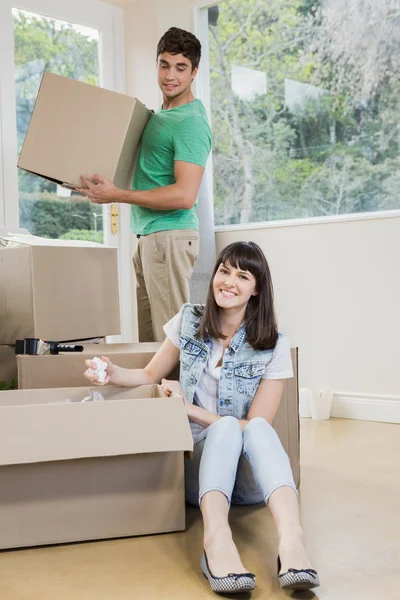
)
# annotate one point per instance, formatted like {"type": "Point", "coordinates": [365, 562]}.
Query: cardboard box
{"type": "Point", "coordinates": [286, 422]}
{"type": "Point", "coordinates": [95, 470]}
{"type": "Point", "coordinates": [66, 370]}
{"type": "Point", "coordinates": [80, 129]}
{"type": "Point", "coordinates": [57, 290]}
{"type": "Point", "coordinates": [8, 364]}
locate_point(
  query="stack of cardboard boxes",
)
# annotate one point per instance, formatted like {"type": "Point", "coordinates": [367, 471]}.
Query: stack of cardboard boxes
{"type": "Point", "coordinates": [8, 359]}
{"type": "Point", "coordinates": [73, 470]}
{"type": "Point", "coordinates": [70, 469]}
{"type": "Point", "coordinates": [75, 129]}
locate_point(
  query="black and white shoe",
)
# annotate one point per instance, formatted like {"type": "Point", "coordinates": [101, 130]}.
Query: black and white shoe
{"type": "Point", "coordinates": [297, 579]}
{"type": "Point", "coordinates": [231, 584]}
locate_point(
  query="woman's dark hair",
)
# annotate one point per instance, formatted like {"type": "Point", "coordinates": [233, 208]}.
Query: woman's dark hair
{"type": "Point", "coordinates": [259, 319]}
{"type": "Point", "coordinates": [179, 41]}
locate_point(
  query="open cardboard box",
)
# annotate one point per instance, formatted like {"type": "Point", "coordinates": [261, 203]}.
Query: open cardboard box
{"type": "Point", "coordinates": [72, 472]}
{"type": "Point", "coordinates": [66, 370]}
{"type": "Point", "coordinates": [94, 470]}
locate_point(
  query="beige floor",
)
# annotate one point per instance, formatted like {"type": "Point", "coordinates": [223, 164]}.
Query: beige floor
{"type": "Point", "coordinates": [350, 499]}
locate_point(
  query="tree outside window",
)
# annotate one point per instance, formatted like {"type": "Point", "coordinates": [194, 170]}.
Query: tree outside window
{"type": "Point", "coordinates": [45, 44]}
{"type": "Point", "coordinates": [305, 106]}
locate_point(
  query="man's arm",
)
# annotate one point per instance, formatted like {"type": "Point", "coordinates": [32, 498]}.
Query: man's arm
{"type": "Point", "coordinates": [180, 195]}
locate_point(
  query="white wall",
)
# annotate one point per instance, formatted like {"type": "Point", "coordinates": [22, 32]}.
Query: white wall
{"type": "Point", "coordinates": [145, 22]}
{"type": "Point", "coordinates": [337, 288]}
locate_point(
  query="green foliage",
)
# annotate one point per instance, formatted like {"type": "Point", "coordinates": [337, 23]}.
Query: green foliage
{"type": "Point", "coordinates": [273, 159]}
{"type": "Point", "coordinates": [12, 386]}
{"type": "Point", "coordinates": [44, 44]}
{"type": "Point", "coordinates": [83, 234]}
{"type": "Point", "coordinates": [47, 215]}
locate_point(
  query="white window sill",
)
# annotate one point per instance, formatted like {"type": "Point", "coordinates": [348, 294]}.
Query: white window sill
{"type": "Point", "coordinates": [384, 214]}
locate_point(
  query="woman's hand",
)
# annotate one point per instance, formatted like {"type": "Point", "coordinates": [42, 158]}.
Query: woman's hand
{"type": "Point", "coordinates": [89, 373]}
{"type": "Point", "coordinates": [170, 387]}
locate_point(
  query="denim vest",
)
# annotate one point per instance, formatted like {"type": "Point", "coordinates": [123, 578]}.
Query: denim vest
{"type": "Point", "coordinates": [241, 371]}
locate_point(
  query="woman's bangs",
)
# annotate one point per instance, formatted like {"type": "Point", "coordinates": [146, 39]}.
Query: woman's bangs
{"type": "Point", "coordinates": [243, 257]}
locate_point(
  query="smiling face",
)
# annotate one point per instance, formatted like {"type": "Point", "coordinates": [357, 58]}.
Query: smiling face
{"type": "Point", "coordinates": [233, 287]}
{"type": "Point", "coordinates": [175, 75]}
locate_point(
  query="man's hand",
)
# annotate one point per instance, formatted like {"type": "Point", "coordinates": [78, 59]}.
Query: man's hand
{"type": "Point", "coordinates": [99, 190]}
{"type": "Point", "coordinates": [180, 195]}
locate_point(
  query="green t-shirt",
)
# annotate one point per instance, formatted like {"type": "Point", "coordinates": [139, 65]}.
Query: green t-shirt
{"type": "Point", "coordinates": [181, 133]}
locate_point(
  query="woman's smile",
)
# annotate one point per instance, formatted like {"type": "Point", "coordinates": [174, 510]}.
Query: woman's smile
{"type": "Point", "coordinates": [228, 293]}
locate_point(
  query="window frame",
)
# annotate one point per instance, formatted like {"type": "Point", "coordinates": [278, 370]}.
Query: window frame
{"type": "Point", "coordinates": [108, 19]}
{"type": "Point", "coordinates": [203, 92]}
{"type": "Point", "coordinates": [91, 13]}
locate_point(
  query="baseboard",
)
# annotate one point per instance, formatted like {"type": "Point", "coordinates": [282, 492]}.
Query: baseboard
{"type": "Point", "coordinates": [366, 407]}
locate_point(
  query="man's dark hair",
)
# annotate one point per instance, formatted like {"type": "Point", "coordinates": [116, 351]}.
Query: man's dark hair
{"type": "Point", "coordinates": [179, 41]}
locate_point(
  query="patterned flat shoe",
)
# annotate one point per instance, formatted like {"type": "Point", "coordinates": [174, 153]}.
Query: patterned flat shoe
{"type": "Point", "coordinates": [297, 579]}
{"type": "Point", "coordinates": [231, 584]}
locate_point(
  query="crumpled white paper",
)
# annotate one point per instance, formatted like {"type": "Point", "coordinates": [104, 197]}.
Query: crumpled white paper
{"type": "Point", "coordinates": [100, 371]}
{"type": "Point", "coordinates": [93, 396]}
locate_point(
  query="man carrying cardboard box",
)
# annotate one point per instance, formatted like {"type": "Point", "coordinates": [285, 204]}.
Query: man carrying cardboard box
{"type": "Point", "coordinates": [174, 150]}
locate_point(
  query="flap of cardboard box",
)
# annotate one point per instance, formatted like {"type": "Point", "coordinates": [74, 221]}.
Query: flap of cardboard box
{"type": "Point", "coordinates": [39, 426]}
{"type": "Point", "coordinates": [33, 240]}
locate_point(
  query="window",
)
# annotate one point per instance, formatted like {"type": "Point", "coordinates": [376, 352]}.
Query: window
{"type": "Point", "coordinates": [305, 108]}
{"type": "Point", "coordinates": [45, 44]}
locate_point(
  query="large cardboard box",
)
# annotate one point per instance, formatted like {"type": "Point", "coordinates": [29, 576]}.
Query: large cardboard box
{"type": "Point", "coordinates": [286, 422]}
{"type": "Point", "coordinates": [8, 365]}
{"type": "Point", "coordinates": [66, 370]}
{"type": "Point", "coordinates": [94, 470]}
{"type": "Point", "coordinates": [80, 129]}
{"type": "Point", "coordinates": [57, 290]}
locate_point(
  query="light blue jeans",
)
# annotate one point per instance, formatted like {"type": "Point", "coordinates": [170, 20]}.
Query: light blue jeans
{"type": "Point", "coordinates": [246, 466]}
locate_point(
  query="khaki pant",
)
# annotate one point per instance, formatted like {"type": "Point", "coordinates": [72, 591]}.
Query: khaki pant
{"type": "Point", "coordinates": [163, 265]}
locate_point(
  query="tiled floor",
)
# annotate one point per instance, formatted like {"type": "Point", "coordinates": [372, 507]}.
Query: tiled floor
{"type": "Point", "coordinates": [350, 499]}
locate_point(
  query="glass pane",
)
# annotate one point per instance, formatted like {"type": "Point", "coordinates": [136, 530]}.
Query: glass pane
{"type": "Point", "coordinates": [305, 108]}
{"type": "Point", "coordinates": [41, 43]}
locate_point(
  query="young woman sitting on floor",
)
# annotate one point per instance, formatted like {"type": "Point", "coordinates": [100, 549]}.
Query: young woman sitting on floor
{"type": "Point", "coordinates": [233, 363]}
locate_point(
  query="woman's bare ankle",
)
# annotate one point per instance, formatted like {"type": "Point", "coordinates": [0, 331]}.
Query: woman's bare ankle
{"type": "Point", "coordinates": [222, 554]}
{"type": "Point", "coordinates": [293, 554]}
{"type": "Point", "coordinates": [219, 533]}
{"type": "Point", "coordinates": [292, 533]}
